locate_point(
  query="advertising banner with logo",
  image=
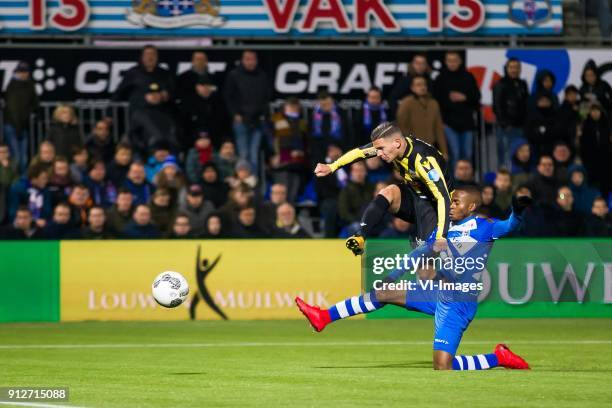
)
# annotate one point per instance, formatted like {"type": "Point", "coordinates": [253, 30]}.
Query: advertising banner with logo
{"type": "Point", "coordinates": [89, 73]}
{"type": "Point", "coordinates": [292, 18]}
{"type": "Point", "coordinates": [234, 279]}
{"type": "Point", "coordinates": [566, 65]}
{"type": "Point", "coordinates": [530, 278]}
{"type": "Point", "coordinates": [30, 272]}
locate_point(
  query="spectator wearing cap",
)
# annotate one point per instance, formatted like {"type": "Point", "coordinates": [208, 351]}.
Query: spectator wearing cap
{"type": "Point", "coordinates": [289, 132]}
{"type": "Point", "coordinates": [181, 228]}
{"type": "Point", "coordinates": [96, 225]}
{"type": "Point", "coordinates": [567, 120]}
{"type": "Point", "coordinates": [100, 144]}
{"type": "Point", "coordinates": [243, 175]}
{"type": "Point", "coordinates": [160, 153]}
{"type": "Point", "coordinates": [198, 155]}
{"type": "Point", "coordinates": [23, 227]}
{"type": "Point", "coordinates": [141, 226]}
{"type": "Point", "coordinates": [162, 211]}
{"type": "Point", "coordinates": [60, 226]}
{"type": "Point", "coordinates": [456, 91]}
{"type": "Point", "coordinates": [32, 191]}
{"type": "Point", "coordinates": [594, 88]}
{"type": "Point", "coordinates": [170, 177]}
{"type": "Point", "coordinates": [102, 192]}
{"type": "Point", "coordinates": [137, 184]}
{"type": "Point", "coordinates": [197, 209]}
{"type": "Point", "coordinates": [64, 131]}
{"type": "Point", "coordinates": [120, 165]}
{"type": "Point", "coordinates": [20, 102]}
{"type": "Point", "coordinates": [247, 96]}
{"type": "Point", "coordinates": [543, 184]}
{"type": "Point", "coordinates": [569, 222]}
{"type": "Point", "coordinates": [599, 222]}
{"type": "Point", "coordinates": [584, 195]}
{"type": "Point", "coordinates": [214, 188]}
{"type": "Point", "coordinates": [287, 225]}
{"type": "Point", "coordinates": [153, 124]}
{"type": "Point", "coordinates": [137, 80]}
{"type": "Point", "coordinates": [595, 147]}
{"type": "Point", "coordinates": [120, 214]}
{"type": "Point", "coordinates": [225, 159]}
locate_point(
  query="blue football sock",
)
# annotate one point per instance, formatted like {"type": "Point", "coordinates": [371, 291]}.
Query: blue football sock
{"type": "Point", "coordinates": [477, 362]}
{"type": "Point", "coordinates": [355, 305]}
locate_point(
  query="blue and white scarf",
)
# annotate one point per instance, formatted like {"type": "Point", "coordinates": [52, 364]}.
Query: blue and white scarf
{"type": "Point", "coordinates": [336, 123]}
{"type": "Point", "coordinates": [367, 115]}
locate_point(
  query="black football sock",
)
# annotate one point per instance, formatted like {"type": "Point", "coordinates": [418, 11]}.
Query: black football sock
{"type": "Point", "coordinates": [373, 214]}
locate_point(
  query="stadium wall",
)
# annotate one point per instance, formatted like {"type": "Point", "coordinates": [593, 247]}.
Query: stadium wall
{"type": "Point", "coordinates": [74, 281]}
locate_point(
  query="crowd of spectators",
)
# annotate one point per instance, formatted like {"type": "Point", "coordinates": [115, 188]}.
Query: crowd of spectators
{"type": "Point", "coordinates": [205, 159]}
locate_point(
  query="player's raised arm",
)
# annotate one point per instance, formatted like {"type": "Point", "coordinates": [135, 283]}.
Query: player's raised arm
{"type": "Point", "coordinates": [429, 171]}
{"type": "Point", "coordinates": [350, 157]}
{"type": "Point", "coordinates": [504, 227]}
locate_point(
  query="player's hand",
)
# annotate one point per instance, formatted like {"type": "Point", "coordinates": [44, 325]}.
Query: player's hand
{"type": "Point", "coordinates": [440, 245]}
{"type": "Point", "coordinates": [520, 203]}
{"type": "Point", "coordinates": [322, 170]}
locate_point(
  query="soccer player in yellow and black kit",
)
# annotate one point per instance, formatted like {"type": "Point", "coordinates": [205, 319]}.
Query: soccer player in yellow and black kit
{"type": "Point", "coordinates": [423, 197]}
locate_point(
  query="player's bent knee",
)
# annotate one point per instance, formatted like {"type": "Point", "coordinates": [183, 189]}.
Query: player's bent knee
{"type": "Point", "coordinates": [393, 196]}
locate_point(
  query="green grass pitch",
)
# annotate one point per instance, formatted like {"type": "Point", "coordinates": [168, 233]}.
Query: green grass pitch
{"type": "Point", "coordinates": [384, 363]}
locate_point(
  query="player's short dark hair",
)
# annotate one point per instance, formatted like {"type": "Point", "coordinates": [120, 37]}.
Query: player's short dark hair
{"type": "Point", "coordinates": [385, 129]}
{"type": "Point", "coordinates": [473, 191]}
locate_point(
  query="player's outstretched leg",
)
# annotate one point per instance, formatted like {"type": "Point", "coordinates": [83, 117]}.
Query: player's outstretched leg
{"type": "Point", "coordinates": [319, 318]}
{"type": "Point", "coordinates": [501, 357]}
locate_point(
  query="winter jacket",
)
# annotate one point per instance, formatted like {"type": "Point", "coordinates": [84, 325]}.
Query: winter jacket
{"type": "Point", "coordinates": [460, 116]}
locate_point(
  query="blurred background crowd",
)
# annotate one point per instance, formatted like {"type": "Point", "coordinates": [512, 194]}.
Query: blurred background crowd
{"type": "Point", "coordinates": [221, 160]}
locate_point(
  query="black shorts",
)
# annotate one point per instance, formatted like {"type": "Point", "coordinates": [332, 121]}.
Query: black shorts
{"type": "Point", "coordinates": [419, 210]}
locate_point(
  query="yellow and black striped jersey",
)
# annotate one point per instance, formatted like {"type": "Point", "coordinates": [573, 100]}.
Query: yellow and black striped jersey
{"type": "Point", "coordinates": [422, 167]}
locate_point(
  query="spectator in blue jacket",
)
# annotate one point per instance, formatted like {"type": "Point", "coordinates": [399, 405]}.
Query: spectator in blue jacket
{"type": "Point", "coordinates": [101, 191]}
{"type": "Point", "coordinates": [32, 192]}
{"type": "Point", "coordinates": [137, 184]}
{"type": "Point", "coordinates": [583, 193]}
{"type": "Point", "coordinates": [141, 226]}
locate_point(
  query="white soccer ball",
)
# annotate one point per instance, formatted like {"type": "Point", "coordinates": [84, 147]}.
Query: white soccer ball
{"type": "Point", "coordinates": [170, 289]}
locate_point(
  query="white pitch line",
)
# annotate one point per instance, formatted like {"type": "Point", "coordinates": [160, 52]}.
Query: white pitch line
{"type": "Point", "coordinates": [286, 344]}
{"type": "Point", "coordinates": [37, 404]}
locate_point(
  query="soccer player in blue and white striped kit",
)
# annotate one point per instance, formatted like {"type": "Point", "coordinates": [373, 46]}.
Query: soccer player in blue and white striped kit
{"type": "Point", "coordinates": [469, 236]}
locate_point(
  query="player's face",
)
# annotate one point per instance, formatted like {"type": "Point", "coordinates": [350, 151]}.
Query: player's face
{"type": "Point", "coordinates": [461, 206]}
{"type": "Point", "coordinates": [388, 148]}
